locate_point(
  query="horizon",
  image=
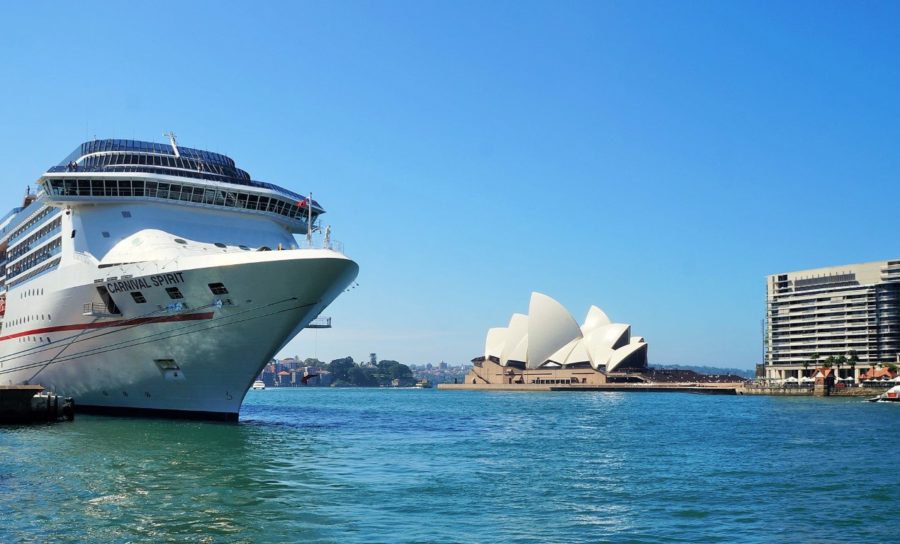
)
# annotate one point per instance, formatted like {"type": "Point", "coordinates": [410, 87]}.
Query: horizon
{"type": "Point", "coordinates": [655, 160]}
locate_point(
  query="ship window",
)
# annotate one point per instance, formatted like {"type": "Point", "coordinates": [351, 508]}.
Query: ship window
{"type": "Point", "coordinates": [180, 241]}
{"type": "Point", "coordinates": [167, 364]}
{"type": "Point", "coordinates": [264, 248]}
{"type": "Point", "coordinates": [245, 248]}
{"type": "Point", "coordinates": [218, 288]}
{"type": "Point", "coordinates": [105, 234]}
{"type": "Point", "coordinates": [138, 297]}
{"type": "Point", "coordinates": [174, 292]}
{"type": "Point", "coordinates": [126, 214]}
{"type": "Point", "coordinates": [220, 244]}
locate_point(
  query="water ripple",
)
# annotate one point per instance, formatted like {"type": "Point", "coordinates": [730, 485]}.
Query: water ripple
{"type": "Point", "coordinates": [357, 465]}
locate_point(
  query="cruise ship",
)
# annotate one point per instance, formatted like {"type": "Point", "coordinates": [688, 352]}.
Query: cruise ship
{"type": "Point", "coordinates": [149, 278]}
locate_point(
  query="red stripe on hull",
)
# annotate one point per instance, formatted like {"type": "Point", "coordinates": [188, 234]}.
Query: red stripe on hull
{"type": "Point", "coordinates": [106, 324]}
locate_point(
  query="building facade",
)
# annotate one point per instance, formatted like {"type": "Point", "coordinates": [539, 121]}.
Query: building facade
{"type": "Point", "coordinates": [841, 310]}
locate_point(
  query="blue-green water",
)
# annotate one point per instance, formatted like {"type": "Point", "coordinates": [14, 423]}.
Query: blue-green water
{"type": "Point", "coordinates": [375, 465]}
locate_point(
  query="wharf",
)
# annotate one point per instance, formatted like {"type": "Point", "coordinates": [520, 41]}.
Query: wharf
{"type": "Point", "coordinates": [703, 388]}
{"type": "Point", "coordinates": [793, 391]}
{"type": "Point", "coordinates": [28, 403]}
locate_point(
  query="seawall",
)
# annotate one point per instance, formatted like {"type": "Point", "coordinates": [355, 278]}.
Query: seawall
{"type": "Point", "coordinates": [706, 388]}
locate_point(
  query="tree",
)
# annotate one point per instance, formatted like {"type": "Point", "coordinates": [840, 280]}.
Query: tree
{"type": "Point", "coordinates": [839, 362]}
{"type": "Point", "coordinates": [361, 377]}
{"type": "Point", "coordinates": [391, 370]}
{"type": "Point", "coordinates": [829, 362]}
{"type": "Point", "coordinates": [852, 360]}
{"type": "Point", "coordinates": [340, 368]}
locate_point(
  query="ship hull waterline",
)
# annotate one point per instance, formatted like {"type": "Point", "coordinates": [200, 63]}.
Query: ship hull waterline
{"type": "Point", "coordinates": [197, 360]}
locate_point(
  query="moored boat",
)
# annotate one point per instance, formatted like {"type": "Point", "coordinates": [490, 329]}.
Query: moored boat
{"type": "Point", "coordinates": [891, 395]}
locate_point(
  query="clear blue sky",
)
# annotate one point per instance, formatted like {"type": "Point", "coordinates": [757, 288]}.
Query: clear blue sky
{"type": "Point", "coordinates": [656, 159]}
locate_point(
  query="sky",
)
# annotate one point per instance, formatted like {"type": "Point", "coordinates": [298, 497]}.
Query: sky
{"type": "Point", "coordinates": [656, 159]}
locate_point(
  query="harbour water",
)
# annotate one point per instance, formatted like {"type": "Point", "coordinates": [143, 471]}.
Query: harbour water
{"type": "Point", "coordinates": [377, 465]}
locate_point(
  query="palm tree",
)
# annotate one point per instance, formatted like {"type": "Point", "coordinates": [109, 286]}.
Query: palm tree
{"type": "Point", "coordinates": [854, 358]}
{"type": "Point", "coordinates": [829, 362]}
{"type": "Point", "coordinates": [839, 362]}
{"type": "Point", "coordinates": [805, 367]}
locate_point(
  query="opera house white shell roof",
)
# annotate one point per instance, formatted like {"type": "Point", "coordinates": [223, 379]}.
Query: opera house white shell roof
{"type": "Point", "coordinates": [550, 337]}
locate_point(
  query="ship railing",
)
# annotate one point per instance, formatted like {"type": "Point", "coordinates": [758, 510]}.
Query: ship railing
{"type": "Point", "coordinates": [97, 309]}
{"type": "Point", "coordinates": [320, 323]}
{"type": "Point", "coordinates": [321, 241]}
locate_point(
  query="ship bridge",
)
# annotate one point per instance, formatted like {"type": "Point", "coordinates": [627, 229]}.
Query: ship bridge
{"type": "Point", "coordinates": [116, 169]}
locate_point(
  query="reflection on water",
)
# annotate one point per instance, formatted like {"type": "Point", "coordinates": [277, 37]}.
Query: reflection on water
{"type": "Point", "coordinates": [324, 465]}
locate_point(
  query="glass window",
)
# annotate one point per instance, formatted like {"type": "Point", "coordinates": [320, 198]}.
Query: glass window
{"type": "Point", "coordinates": [218, 289]}
{"type": "Point", "coordinates": [112, 188]}
{"type": "Point", "coordinates": [174, 293]}
{"type": "Point", "coordinates": [124, 187]}
{"type": "Point", "coordinates": [138, 297]}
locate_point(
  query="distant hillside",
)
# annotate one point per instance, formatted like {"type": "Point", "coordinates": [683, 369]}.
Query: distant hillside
{"type": "Point", "coordinates": [742, 372]}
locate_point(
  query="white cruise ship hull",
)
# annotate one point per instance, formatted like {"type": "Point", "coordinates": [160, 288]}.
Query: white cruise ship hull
{"type": "Point", "coordinates": [196, 357]}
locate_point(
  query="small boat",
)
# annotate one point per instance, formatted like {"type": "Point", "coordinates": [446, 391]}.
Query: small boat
{"type": "Point", "coordinates": [258, 385]}
{"type": "Point", "coordinates": [423, 384]}
{"type": "Point", "coordinates": [891, 395]}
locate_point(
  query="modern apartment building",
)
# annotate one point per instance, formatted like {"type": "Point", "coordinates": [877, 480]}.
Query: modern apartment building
{"type": "Point", "coordinates": [833, 311]}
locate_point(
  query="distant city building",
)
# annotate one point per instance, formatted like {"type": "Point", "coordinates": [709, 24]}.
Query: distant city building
{"type": "Point", "coordinates": [832, 312]}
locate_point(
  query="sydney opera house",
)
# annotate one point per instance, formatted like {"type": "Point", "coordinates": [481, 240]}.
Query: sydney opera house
{"type": "Point", "coordinates": [548, 347]}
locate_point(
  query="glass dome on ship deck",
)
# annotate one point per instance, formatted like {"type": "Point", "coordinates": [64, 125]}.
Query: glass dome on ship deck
{"type": "Point", "coordinates": [113, 155]}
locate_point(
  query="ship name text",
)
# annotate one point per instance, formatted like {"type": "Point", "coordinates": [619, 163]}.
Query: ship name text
{"type": "Point", "coordinates": [148, 282]}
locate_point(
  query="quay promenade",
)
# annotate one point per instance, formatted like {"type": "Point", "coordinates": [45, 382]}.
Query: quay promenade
{"type": "Point", "coordinates": [754, 388]}
{"type": "Point", "coordinates": [707, 388]}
